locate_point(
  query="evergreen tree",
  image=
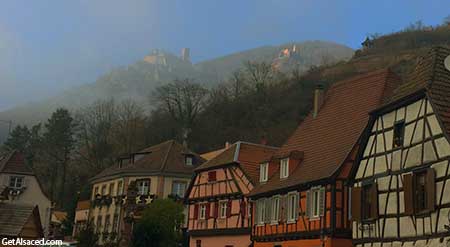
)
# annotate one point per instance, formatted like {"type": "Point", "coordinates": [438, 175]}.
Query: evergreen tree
{"type": "Point", "coordinates": [59, 143]}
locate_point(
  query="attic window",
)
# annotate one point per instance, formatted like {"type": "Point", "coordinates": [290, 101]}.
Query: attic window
{"type": "Point", "coordinates": [189, 161]}
{"type": "Point", "coordinates": [263, 172]}
{"type": "Point", "coordinates": [284, 168]}
{"type": "Point", "coordinates": [399, 133]}
{"type": "Point", "coordinates": [16, 182]}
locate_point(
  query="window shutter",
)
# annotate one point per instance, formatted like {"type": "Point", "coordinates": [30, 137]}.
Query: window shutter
{"type": "Point", "coordinates": [431, 189]}
{"type": "Point", "coordinates": [195, 211]}
{"type": "Point", "coordinates": [208, 211]}
{"type": "Point", "coordinates": [408, 194]}
{"type": "Point", "coordinates": [322, 201]}
{"type": "Point", "coordinates": [308, 204]}
{"type": "Point", "coordinates": [356, 203]}
{"type": "Point", "coordinates": [374, 198]}
{"type": "Point", "coordinates": [216, 210]}
{"type": "Point", "coordinates": [229, 205]}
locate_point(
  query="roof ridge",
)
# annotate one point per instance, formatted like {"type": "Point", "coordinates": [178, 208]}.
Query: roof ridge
{"type": "Point", "coordinates": [236, 152]}
{"type": "Point", "coordinates": [258, 144]}
{"type": "Point", "coordinates": [167, 155]}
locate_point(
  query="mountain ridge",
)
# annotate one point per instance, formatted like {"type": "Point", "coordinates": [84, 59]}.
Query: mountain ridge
{"type": "Point", "coordinates": [137, 80]}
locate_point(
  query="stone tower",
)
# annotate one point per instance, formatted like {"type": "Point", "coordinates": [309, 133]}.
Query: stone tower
{"type": "Point", "coordinates": [185, 54]}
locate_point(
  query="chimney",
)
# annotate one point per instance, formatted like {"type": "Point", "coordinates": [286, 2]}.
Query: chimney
{"type": "Point", "coordinates": [263, 140]}
{"type": "Point", "coordinates": [318, 99]}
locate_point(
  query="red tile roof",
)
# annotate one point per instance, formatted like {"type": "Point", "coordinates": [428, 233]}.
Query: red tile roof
{"type": "Point", "coordinates": [327, 139]}
{"type": "Point", "coordinates": [14, 162]}
{"type": "Point", "coordinates": [247, 155]}
{"type": "Point", "coordinates": [164, 158]}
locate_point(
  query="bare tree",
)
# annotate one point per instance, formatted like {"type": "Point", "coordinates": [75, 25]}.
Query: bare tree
{"type": "Point", "coordinates": [183, 100]}
{"type": "Point", "coordinates": [95, 134]}
{"type": "Point", "coordinates": [129, 126]}
{"type": "Point", "coordinates": [259, 74]}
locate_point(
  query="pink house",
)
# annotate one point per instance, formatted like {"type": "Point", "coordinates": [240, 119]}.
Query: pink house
{"type": "Point", "coordinates": [217, 196]}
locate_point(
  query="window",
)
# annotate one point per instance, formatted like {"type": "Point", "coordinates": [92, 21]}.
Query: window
{"type": "Point", "coordinates": [104, 190]}
{"type": "Point", "coordinates": [223, 210]}
{"type": "Point", "coordinates": [212, 176]}
{"type": "Point", "coordinates": [284, 168]}
{"type": "Point", "coordinates": [420, 191]}
{"type": "Point", "coordinates": [202, 211]}
{"type": "Point", "coordinates": [111, 189]}
{"type": "Point", "coordinates": [198, 243]}
{"type": "Point", "coordinates": [99, 223]}
{"type": "Point", "coordinates": [399, 133]}
{"type": "Point", "coordinates": [178, 188]}
{"type": "Point", "coordinates": [115, 223]}
{"type": "Point", "coordinates": [16, 182]}
{"type": "Point", "coordinates": [189, 160]}
{"type": "Point", "coordinates": [275, 209]}
{"type": "Point", "coordinates": [367, 203]}
{"type": "Point", "coordinates": [120, 188]}
{"type": "Point", "coordinates": [316, 200]}
{"type": "Point", "coordinates": [260, 211]}
{"type": "Point", "coordinates": [263, 172]}
{"type": "Point", "coordinates": [292, 207]}
{"type": "Point", "coordinates": [107, 222]}
{"type": "Point", "coordinates": [143, 186]}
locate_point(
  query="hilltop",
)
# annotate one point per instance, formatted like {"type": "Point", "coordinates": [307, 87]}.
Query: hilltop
{"type": "Point", "coordinates": [138, 80]}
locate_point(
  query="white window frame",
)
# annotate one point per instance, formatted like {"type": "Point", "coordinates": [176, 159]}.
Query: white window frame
{"type": "Point", "coordinates": [275, 207]}
{"type": "Point", "coordinates": [261, 211]}
{"type": "Point", "coordinates": [179, 187]}
{"type": "Point", "coordinates": [15, 179]}
{"type": "Point", "coordinates": [284, 168]}
{"type": "Point", "coordinates": [263, 172]}
{"type": "Point", "coordinates": [223, 207]}
{"type": "Point", "coordinates": [143, 187]}
{"type": "Point", "coordinates": [189, 161]}
{"type": "Point", "coordinates": [292, 214]}
{"type": "Point", "coordinates": [315, 202]}
{"type": "Point", "coordinates": [202, 211]}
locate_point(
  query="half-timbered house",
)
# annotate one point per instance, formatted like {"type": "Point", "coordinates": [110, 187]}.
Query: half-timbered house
{"type": "Point", "coordinates": [401, 186]}
{"type": "Point", "coordinates": [302, 198]}
{"type": "Point", "coordinates": [218, 206]}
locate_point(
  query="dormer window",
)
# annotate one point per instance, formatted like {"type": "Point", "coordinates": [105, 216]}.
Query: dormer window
{"type": "Point", "coordinates": [16, 182]}
{"type": "Point", "coordinates": [263, 172]}
{"type": "Point", "coordinates": [284, 168]}
{"type": "Point", "coordinates": [188, 160]}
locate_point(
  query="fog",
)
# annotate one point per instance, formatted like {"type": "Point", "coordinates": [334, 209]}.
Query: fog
{"type": "Point", "coordinates": [49, 46]}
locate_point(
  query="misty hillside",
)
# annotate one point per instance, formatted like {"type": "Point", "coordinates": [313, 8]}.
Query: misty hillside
{"type": "Point", "coordinates": [138, 80]}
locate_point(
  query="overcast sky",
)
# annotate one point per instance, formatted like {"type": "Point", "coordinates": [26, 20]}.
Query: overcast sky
{"type": "Point", "coordinates": [48, 46]}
